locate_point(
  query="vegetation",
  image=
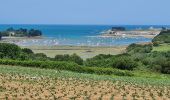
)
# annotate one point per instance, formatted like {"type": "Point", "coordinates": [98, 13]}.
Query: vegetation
{"type": "Point", "coordinates": [140, 73]}
{"type": "Point", "coordinates": [0, 36]}
{"type": "Point", "coordinates": [163, 37]}
{"type": "Point", "coordinates": [162, 47]}
{"type": "Point", "coordinates": [20, 32]}
{"type": "Point", "coordinates": [34, 83]}
{"type": "Point", "coordinates": [74, 58]}
{"type": "Point", "coordinates": [9, 51]}
{"type": "Point", "coordinates": [138, 57]}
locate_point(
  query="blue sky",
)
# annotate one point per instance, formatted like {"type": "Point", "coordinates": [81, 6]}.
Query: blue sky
{"type": "Point", "coordinates": [114, 12]}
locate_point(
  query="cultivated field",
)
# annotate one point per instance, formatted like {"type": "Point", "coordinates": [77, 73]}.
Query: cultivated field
{"type": "Point", "coordinates": [33, 83]}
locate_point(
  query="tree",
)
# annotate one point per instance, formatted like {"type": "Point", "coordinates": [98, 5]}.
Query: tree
{"type": "Point", "coordinates": [33, 32]}
{"type": "Point", "coordinates": [10, 50]}
{"type": "Point", "coordinates": [75, 58]}
{"type": "Point", "coordinates": [0, 35]}
{"type": "Point", "coordinates": [27, 51]}
{"type": "Point", "coordinates": [124, 63]}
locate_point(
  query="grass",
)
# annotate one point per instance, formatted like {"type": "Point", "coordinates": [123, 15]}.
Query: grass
{"type": "Point", "coordinates": [162, 48]}
{"type": "Point", "coordinates": [139, 78]}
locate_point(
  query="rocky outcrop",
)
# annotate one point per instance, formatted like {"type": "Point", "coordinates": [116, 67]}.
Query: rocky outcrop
{"type": "Point", "coordinates": [118, 29]}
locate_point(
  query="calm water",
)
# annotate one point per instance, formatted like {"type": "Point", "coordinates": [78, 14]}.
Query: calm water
{"type": "Point", "coordinates": [78, 35]}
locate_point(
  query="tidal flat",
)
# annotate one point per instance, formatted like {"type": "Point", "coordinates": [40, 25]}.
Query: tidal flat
{"type": "Point", "coordinates": [83, 51]}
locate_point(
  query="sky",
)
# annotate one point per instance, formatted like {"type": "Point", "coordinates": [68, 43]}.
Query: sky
{"type": "Point", "coordinates": [97, 12]}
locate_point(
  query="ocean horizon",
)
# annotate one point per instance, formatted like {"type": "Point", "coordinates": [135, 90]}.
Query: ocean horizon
{"type": "Point", "coordinates": [78, 35]}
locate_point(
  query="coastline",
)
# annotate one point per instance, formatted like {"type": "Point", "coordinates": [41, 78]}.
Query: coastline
{"type": "Point", "coordinates": [83, 51]}
{"type": "Point", "coordinates": [130, 34]}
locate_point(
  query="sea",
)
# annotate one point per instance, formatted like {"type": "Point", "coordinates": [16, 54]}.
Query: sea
{"type": "Point", "coordinates": [79, 35]}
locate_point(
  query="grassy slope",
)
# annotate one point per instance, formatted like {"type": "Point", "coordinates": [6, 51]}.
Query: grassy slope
{"type": "Point", "coordinates": [162, 47]}
{"type": "Point", "coordinates": [140, 78]}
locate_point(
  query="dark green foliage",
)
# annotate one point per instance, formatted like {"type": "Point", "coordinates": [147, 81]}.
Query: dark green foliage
{"type": "Point", "coordinates": [21, 32]}
{"type": "Point", "coordinates": [166, 67]}
{"type": "Point", "coordinates": [33, 32]}
{"type": "Point", "coordinates": [27, 51]}
{"type": "Point", "coordinates": [124, 63]}
{"type": "Point", "coordinates": [100, 60]}
{"type": "Point", "coordinates": [163, 37]}
{"type": "Point", "coordinates": [23, 56]}
{"type": "Point", "coordinates": [139, 48]}
{"type": "Point", "coordinates": [71, 66]}
{"type": "Point", "coordinates": [156, 43]}
{"type": "Point", "coordinates": [41, 55]}
{"type": "Point", "coordinates": [102, 56]}
{"type": "Point", "coordinates": [64, 57]}
{"type": "Point", "coordinates": [106, 71]}
{"type": "Point", "coordinates": [74, 58]}
{"type": "Point", "coordinates": [1, 55]}
{"type": "Point", "coordinates": [9, 50]}
{"type": "Point", "coordinates": [0, 35]}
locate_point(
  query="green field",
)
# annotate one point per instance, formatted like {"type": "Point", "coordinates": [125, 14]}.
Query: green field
{"type": "Point", "coordinates": [162, 47]}
{"type": "Point", "coordinates": [139, 78]}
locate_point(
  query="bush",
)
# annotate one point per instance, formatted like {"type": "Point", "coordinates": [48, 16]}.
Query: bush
{"type": "Point", "coordinates": [74, 58]}
{"type": "Point", "coordinates": [61, 65]}
{"type": "Point", "coordinates": [77, 59]}
{"type": "Point", "coordinates": [100, 60]}
{"type": "Point", "coordinates": [139, 48]}
{"type": "Point", "coordinates": [166, 68]}
{"type": "Point", "coordinates": [106, 71]}
{"type": "Point", "coordinates": [124, 63]}
{"type": "Point", "coordinates": [41, 55]}
{"type": "Point", "coordinates": [9, 50]}
{"type": "Point", "coordinates": [163, 37]}
{"type": "Point", "coordinates": [64, 57]}
{"type": "Point", "coordinates": [27, 51]}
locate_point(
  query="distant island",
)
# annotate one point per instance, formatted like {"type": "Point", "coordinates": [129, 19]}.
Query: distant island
{"type": "Point", "coordinates": [11, 32]}
{"type": "Point", "coordinates": [122, 32]}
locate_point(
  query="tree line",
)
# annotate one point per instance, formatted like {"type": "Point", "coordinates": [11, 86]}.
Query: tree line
{"type": "Point", "coordinates": [20, 32]}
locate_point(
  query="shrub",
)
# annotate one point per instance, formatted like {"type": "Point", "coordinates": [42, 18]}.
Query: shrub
{"type": "Point", "coordinates": [139, 48]}
{"type": "Point", "coordinates": [1, 55]}
{"type": "Point", "coordinates": [166, 67]}
{"type": "Point", "coordinates": [106, 71]}
{"type": "Point", "coordinates": [41, 55]}
{"type": "Point", "coordinates": [124, 63]}
{"type": "Point", "coordinates": [64, 57]}
{"type": "Point", "coordinates": [74, 58]}
{"type": "Point", "coordinates": [10, 50]}
{"type": "Point", "coordinates": [100, 60]}
{"type": "Point", "coordinates": [163, 37]}
{"type": "Point", "coordinates": [71, 66]}
{"type": "Point", "coordinates": [27, 51]}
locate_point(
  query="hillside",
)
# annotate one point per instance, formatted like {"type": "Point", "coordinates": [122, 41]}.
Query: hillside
{"type": "Point", "coordinates": [163, 37]}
